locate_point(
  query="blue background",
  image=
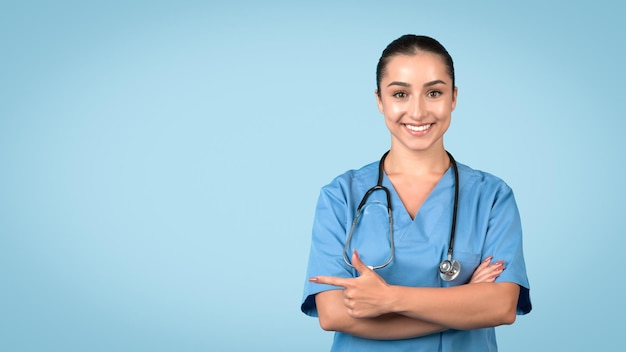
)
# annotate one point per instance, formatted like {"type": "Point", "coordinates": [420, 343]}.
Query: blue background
{"type": "Point", "coordinates": [160, 161]}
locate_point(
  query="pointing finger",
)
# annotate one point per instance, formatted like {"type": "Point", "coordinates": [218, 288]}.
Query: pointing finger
{"type": "Point", "coordinates": [330, 280]}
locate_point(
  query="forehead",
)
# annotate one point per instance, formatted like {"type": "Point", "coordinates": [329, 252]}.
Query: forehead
{"type": "Point", "coordinates": [420, 67]}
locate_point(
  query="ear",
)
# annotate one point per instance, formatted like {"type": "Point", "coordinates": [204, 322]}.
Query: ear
{"type": "Point", "coordinates": [454, 95]}
{"type": "Point", "coordinates": [379, 102]}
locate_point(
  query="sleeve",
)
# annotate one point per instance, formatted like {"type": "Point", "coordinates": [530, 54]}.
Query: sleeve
{"type": "Point", "coordinates": [504, 241]}
{"type": "Point", "coordinates": [328, 238]}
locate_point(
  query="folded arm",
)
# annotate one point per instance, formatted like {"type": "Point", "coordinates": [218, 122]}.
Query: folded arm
{"type": "Point", "coordinates": [461, 307]}
{"type": "Point", "coordinates": [369, 307]}
{"type": "Point", "coordinates": [334, 316]}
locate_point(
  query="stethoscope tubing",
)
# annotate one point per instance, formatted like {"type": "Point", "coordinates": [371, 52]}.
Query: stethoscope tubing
{"type": "Point", "coordinates": [379, 186]}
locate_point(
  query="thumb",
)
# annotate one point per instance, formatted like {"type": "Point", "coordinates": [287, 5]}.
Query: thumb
{"type": "Point", "coordinates": [358, 264]}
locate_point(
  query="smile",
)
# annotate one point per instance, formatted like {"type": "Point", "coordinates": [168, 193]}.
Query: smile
{"type": "Point", "coordinates": [421, 128]}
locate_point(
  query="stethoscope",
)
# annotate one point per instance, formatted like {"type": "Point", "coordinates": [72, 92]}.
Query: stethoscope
{"type": "Point", "coordinates": [449, 268]}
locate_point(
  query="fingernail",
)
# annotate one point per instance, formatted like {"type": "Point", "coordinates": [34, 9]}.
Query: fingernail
{"type": "Point", "coordinates": [487, 259]}
{"type": "Point", "coordinates": [313, 279]}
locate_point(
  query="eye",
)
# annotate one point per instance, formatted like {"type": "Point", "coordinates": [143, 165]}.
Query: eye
{"type": "Point", "coordinates": [399, 95]}
{"type": "Point", "coordinates": [434, 94]}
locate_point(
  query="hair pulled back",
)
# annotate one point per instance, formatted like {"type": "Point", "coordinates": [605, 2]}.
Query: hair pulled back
{"type": "Point", "coordinates": [411, 44]}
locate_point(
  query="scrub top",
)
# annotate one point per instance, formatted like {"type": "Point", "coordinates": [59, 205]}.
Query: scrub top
{"type": "Point", "coordinates": [488, 224]}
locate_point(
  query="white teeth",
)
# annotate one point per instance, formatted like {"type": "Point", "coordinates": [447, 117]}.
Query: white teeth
{"type": "Point", "coordinates": [418, 128]}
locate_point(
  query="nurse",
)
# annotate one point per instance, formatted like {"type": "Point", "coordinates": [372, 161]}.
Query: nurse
{"type": "Point", "coordinates": [406, 305]}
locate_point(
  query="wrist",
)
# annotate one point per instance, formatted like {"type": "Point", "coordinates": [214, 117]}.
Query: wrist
{"type": "Point", "coordinates": [394, 304]}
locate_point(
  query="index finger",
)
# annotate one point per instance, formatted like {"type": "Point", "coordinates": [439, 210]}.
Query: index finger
{"type": "Point", "coordinates": [330, 280]}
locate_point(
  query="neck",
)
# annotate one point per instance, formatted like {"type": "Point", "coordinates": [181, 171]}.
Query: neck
{"type": "Point", "coordinates": [402, 161]}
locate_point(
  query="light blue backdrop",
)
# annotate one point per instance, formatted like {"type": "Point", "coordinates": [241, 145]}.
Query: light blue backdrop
{"type": "Point", "coordinates": [160, 161]}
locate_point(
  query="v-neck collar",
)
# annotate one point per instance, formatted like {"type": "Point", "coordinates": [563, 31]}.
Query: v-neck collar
{"type": "Point", "coordinates": [428, 215]}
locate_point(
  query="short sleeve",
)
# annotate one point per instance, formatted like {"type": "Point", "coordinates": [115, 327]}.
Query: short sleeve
{"type": "Point", "coordinates": [504, 241]}
{"type": "Point", "coordinates": [327, 241]}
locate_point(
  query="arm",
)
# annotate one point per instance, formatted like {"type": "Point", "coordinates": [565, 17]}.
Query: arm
{"type": "Point", "coordinates": [334, 314]}
{"type": "Point", "coordinates": [460, 307]}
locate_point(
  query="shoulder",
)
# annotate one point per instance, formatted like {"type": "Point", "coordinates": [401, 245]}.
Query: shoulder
{"type": "Point", "coordinates": [366, 175]}
{"type": "Point", "coordinates": [480, 178]}
{"type": "Point", "coordinates": [484, 187]}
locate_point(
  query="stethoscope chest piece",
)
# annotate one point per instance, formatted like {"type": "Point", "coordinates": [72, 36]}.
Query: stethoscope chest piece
{"type": "Point", "coordinates": [449, 269]}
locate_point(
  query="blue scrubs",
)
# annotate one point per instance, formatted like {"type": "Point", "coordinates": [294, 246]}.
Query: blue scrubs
{"type": "Point", "coordinates": [488, 223]}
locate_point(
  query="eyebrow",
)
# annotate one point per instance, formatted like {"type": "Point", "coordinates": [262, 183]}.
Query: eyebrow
{"type": "Point", "coordinates": [407, 85]}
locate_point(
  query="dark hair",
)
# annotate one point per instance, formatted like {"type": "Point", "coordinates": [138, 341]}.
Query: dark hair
{"type": "Point", "coordinates": [411, 44]}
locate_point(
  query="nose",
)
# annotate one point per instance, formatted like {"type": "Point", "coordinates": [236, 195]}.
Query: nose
{"type": "Point", "coordinates": [417, 108]}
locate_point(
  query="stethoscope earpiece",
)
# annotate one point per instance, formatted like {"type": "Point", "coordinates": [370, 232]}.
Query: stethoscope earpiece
{"type": "Point", "coordinates": [449, 269]}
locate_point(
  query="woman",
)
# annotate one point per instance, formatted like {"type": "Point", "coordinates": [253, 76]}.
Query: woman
{"type": "Point", "coordinates": [395, 296]}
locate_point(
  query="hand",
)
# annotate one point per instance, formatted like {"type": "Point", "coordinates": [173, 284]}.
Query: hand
{"type": "Point", "coordinates": [487, 272]}
{"type": "Point", "coordinates": [365, 296]}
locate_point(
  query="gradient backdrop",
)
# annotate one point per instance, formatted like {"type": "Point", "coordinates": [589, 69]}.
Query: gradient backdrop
{"type": "Point", "coordinates": [160, 161]}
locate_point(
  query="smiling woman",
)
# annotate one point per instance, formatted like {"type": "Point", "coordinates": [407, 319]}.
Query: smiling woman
{"type": "Point", "coordinates": [417, 99]}
{"type": "Point", "coordinates": [412, 302]}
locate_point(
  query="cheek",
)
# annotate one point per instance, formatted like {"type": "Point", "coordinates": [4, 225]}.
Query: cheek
{"type": "Point", "coordinates": [392, 110]}
{"type": "Point", "coordinates": [444, 111]}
